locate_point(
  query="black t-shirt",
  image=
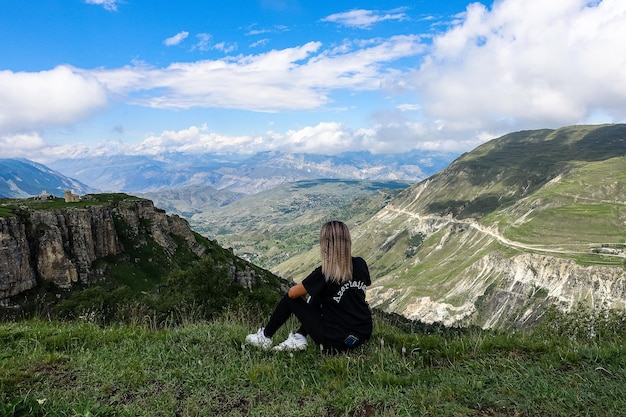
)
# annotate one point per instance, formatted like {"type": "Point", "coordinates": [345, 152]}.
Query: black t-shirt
{"type": "Point", "coordinates": [344, 309]}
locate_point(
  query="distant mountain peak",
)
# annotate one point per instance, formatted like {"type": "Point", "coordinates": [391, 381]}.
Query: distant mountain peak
{"type": "Point", "coordinates": [246, 174]}
{"type": "Point", "coordinates": [24, 178]}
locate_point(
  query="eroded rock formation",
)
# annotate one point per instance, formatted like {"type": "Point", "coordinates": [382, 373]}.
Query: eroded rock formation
{"type": "Point", "coordinates": [61, 245]}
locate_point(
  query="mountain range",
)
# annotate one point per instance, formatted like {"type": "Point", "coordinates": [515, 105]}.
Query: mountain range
{"type": "Point", "coordinates": [247, 174]}
{"type": "Point", "coordinates": [526, 221]}
{"type": "Point", "coordinates": [24, 178]}
{"type": "Point", "coordinates": [529, 220]}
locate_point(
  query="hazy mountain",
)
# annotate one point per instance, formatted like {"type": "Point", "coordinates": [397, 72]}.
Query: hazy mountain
{"type": "Point", "coordinates": [133, 173]}
{"type": "Point", "coordinates": [191, 200]}
{"type": "Point", "coordinates": [271, 226]}
{"type": "Point", "coordinates": [23, 178]}
{"type": "Point", "coordinates": [527, 220]}
{"type": "Point", "coordinates": [245, 174]}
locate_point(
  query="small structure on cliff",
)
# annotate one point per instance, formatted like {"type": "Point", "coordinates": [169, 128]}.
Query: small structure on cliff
{"type": "Point", "coordinates": [42, 197]}
{"type": "Point", "coordinates": [71, 197]}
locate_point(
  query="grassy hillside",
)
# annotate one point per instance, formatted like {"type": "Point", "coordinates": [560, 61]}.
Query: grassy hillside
{"type": "Point", "coordinates": [585, 205]}
{"type": "Point", "coordinates": [495, 235]}
{"type": "Point", "coordinates": [524, 165]}
{"type": "Point", "coordinates": [189, 201]}
{"type": "Point", "coordinates": [269, 227]}
{"type": "Point", "coordinates": [202, 368]}
{"type": "Point", "coordinates": [144, 277]}
{"type": "Point", "coordinates": [563, 190]}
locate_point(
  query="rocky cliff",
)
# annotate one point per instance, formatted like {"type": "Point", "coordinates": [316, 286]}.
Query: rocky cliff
{"type": "Point", "coordinates": [501, 287]}
{"type": "Point", "coordinates": [464, 272]}
{"type": "Point", "coordinates": [41, 244]}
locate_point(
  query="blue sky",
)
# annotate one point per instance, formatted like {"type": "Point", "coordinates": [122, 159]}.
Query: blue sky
{"type": "Point", "coordinates": [92, 77]}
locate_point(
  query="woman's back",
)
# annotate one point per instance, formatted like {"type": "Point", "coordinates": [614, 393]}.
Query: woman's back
{"type": "Point", "coordinates": [344, 308]}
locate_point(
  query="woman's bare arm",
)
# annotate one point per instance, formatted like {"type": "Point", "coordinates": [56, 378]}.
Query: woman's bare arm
{"type": "Point", "coordinates": [297, 291]}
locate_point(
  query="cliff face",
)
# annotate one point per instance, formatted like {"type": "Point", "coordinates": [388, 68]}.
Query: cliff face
{"type": "Point", "coordinates": [61, 245]}
{"type": "Point", "coordinates": [466, 273]}
{"type": "Point", "coordinates": [522, 222]}
{"type": "Point", "coordinates": [16, 273]}
{"type": "Point", "coordinates": [497, 292]}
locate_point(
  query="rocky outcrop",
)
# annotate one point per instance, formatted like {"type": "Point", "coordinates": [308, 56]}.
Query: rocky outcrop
{"type": "Point", "coordinates": [494, 290]}
{"type": "Point", "coordinates": [61, 246]}
{"type": "Point", "coordinates": [529, 279]}
{"type": "Point", "coordinates": [501, 291]}
{"type": "Point", "coordinates": [16, 272]}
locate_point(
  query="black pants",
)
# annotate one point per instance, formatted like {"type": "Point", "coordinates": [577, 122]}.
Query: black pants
{"type": "Point", "coordinates": [310, 316]}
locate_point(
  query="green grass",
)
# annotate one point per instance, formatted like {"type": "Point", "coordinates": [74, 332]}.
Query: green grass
{"type": "Point", "coordinates": [10, 206]}
{"type": "Point", "coordinates": [202, 369]}
{"type": "Point", "coordinates": [575, 224]}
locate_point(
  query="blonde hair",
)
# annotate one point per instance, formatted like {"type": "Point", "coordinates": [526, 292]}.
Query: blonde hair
{"type": "Point", "coordinates": [336, 252]}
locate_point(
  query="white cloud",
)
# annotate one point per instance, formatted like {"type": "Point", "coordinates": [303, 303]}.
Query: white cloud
{"type": "Point", "coordinates": [364, 19]}
{"type": "Point", "coordinates": [193, 140]}
{"type": "Point", "coordinates": [527, 64]}
{"type": "Point", "coordinates": [325, 137]}
{"type": "Point", "coordinates": [389, 135]}
{"type": "Point", "coordinates": [110, 5]}
{"type": "Point", "coordinates": [176, 39]}
{"type": "Point", "coordinates": [57, 97]}
{"type": "Point", "coordinates": [225, 47]}
{"type": "Point", "coordinates": [21, 145]}
{"type": "Point", "coordinates": [260, 42]}
{"type": "Point", "coordinates": [522, 64]}
{"type": "Point", "coordinates": [203, 42]}
{"type": "Point", "coordinates": [273, 29]}
{"type": "Point", "coordinates": [293, 78]}
{"type": "Point", "coordinates": [409, 107]}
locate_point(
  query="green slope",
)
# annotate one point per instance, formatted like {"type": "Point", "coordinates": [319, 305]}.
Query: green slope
{"type": "Point", "coordinates": [503, 231]}
{"type": "Point", "coordinates": [584, 206]}
{"type": "Point", "coordinates": [499, 173]}
{"type": "Point", "coordinates": [50, 368]}
{"type": "Point", "coordinates": [271, 226]}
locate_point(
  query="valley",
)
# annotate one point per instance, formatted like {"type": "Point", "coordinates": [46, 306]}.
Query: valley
{"type": "Point", "coordinates": [526, 221]}
{"type": "Point", "coordinates": [269, 227]}
{"type": "Point", "coordinates": [466, 248]}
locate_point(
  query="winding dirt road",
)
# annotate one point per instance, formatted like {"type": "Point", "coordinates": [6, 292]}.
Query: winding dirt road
{"type": "Point", "coordinates": [496, 234]}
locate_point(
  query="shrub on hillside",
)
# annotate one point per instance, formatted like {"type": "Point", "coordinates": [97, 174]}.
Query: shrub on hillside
{"type": "Point", "coordinates": [584, 323]}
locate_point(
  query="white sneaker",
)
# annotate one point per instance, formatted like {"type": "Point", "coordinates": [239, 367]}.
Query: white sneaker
{"type": "Point", "coordinates": [295, 341]}
{"type": "Point", "coordinates": [259, 339]}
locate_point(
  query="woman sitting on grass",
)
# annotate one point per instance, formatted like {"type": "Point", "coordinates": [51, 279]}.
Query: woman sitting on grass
{"type": "Point", "coordinates": [337, 317]}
